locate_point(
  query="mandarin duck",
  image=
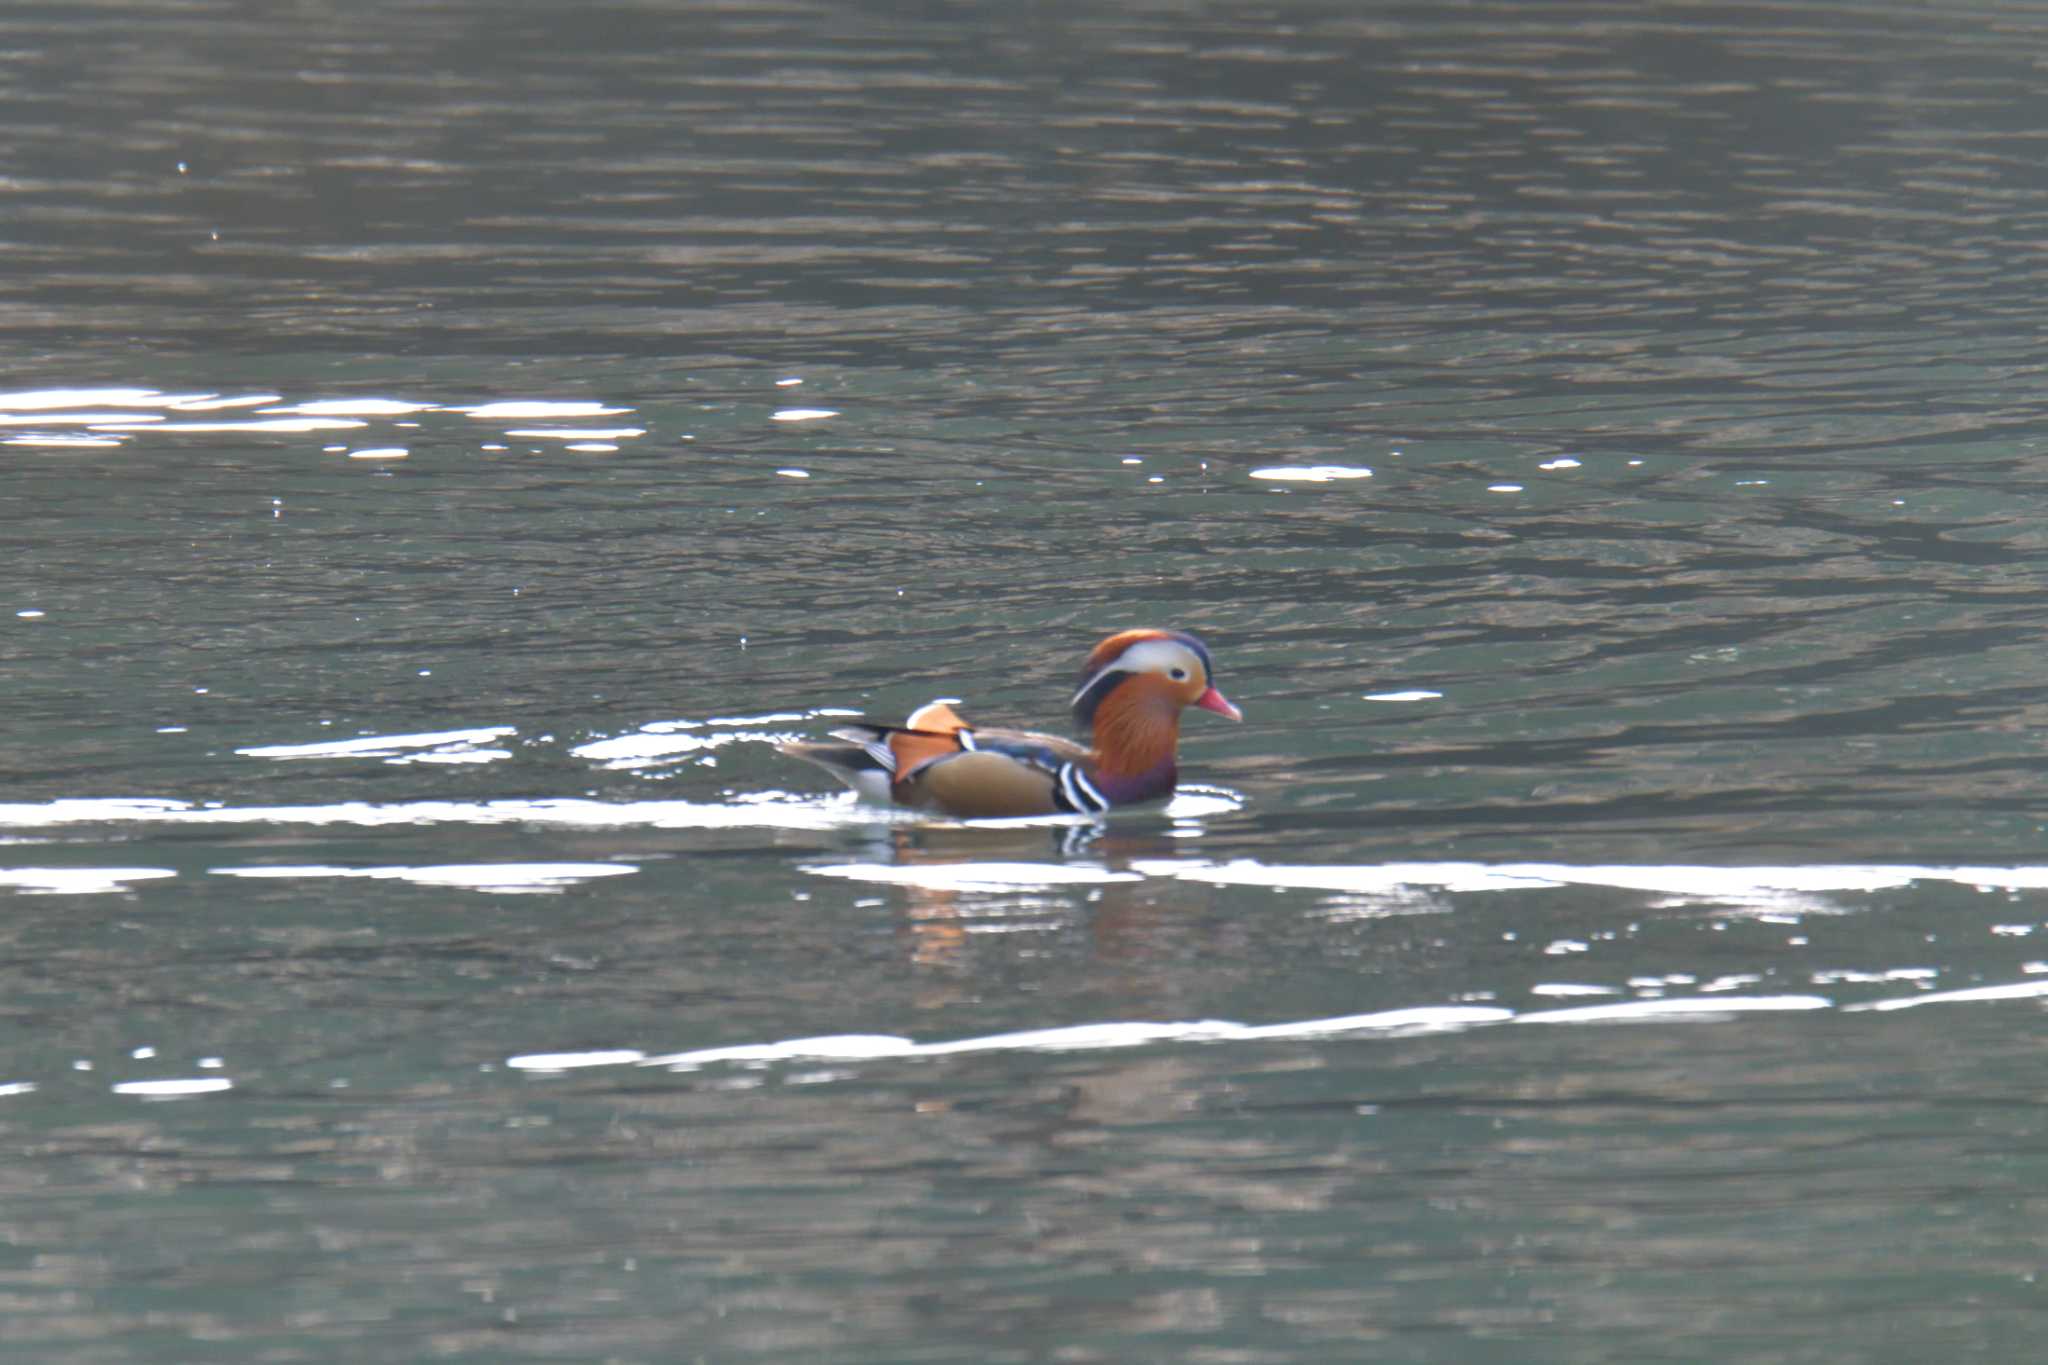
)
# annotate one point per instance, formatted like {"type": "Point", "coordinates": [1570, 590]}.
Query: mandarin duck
{"type": "Point", "coordinates": [1132, 692]}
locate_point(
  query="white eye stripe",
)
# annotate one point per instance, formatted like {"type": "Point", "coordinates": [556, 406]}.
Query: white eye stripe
{"type": "Point", "coordinates": [1089, 685]}
{"type": "Point", "coordinates": [1168, 657]}
{"type": "Point", "coordinates": [1158, 656]}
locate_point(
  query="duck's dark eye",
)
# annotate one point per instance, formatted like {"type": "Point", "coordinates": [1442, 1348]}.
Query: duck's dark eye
{"type": "Point", "coordinates": [1179, 675]}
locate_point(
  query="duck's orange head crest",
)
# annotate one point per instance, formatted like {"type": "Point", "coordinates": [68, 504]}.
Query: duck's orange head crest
{"type": "Point", "coordinates": [1172, 664]}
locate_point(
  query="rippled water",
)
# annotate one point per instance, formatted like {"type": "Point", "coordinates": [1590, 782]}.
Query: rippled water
{"type": "Point", "coordinates": [447, 445]}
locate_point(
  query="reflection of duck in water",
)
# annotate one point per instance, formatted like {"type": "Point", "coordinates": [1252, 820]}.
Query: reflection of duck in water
{"type": "Point", "coordinates": [1132, 692]}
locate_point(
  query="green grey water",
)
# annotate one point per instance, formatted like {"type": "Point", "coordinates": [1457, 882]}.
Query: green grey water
{"type": "Point", "coordinates": [447, 445]}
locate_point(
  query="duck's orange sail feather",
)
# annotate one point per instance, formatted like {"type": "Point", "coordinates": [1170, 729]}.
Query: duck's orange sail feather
{"type": "Point", "coordinates": [926, 735]}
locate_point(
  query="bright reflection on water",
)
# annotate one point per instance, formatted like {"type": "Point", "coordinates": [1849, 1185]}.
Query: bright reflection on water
{"type": "Point", "coordinates": [447, 447]}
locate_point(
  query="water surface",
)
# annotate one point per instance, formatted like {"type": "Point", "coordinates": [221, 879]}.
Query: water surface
{"type": "Point", "coordinates": [447, 445]}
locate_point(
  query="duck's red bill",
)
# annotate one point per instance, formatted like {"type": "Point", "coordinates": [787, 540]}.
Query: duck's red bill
{"type": "Point", "coordinates": [1212, 700]}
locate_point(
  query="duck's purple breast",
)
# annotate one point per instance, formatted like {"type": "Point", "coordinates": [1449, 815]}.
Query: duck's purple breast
{"type": "Point", "coordinates": [1128, 789]}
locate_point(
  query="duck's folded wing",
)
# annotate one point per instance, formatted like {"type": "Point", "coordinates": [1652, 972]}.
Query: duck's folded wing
{"type": "Point", "coordinates": [877, 760]}
{"type": "Point", "coordinates": [1047, 751]}
{"type": "Point", "coordinates": [937, 762]}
